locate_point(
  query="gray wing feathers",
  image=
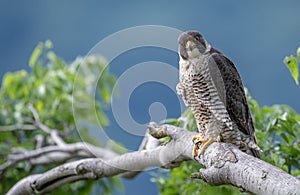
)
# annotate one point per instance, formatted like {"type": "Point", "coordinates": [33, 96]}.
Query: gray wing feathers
{"type": "Point", "coordinates": [235, 101]}
{"type": "Point", "coordinates": [213, 93]}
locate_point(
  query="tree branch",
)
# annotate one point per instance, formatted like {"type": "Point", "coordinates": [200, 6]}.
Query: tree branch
{"type": "Point", "coordinates": [57, 154]}
{"type": "Point", "coordinates": [49, 154]}
{"type": "Point", "coordinates": [224, 163]}
{"type": "Point", "coordinates": [17, 127]}
{"type": "Point", "coordinates": [148, 143]}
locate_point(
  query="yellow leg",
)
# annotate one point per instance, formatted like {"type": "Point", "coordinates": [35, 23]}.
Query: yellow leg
{"type": "Point", "coordinates": [198, 140]}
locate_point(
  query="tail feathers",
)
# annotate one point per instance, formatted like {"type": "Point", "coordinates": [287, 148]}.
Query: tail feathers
{"type": "Point", "coordinates": [254, 149]}
{"type": "Point", "coordinates": [255, 153]}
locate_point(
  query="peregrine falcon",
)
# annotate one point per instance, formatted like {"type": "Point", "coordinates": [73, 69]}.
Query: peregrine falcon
{"type": "Point", "coordinates": [211, 86]}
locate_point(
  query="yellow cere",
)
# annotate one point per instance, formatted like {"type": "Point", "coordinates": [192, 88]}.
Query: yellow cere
{"type": "Point", "coordinates": [189, 43]}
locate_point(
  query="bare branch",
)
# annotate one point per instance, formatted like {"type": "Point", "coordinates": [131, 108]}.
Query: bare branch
{"type": "Point", "coordinates": [56, 138]}
{"type": "Point", "coordinates": [37, 124]}
{"type": "Point", "coordinates": [17, 127]}
{"type": "Point", "coordinates": [224, 163]}
{"type": "Point", "coordinates": [57, 154]}
{"type": "Point", "coordinates": [148, 143]}
{"type": "Point", "coordinates": [34, 113]}
{"type": "Point", "coordinates": [52, 132]}
{"type": "Point", "coordinates": [39, 141]}
{"type": "Point", "coordinates": [50, 154]}
{"type": "Point", "coordinates": [169, 155]}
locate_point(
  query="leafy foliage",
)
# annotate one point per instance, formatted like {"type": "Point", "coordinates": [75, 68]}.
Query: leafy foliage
{"type": "Point", "coordinates": [277, 133]}
{"type": "Point", "coordinates": [48, 87]}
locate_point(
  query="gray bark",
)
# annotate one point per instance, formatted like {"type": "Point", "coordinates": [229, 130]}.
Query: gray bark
{"type": "Point", "coordinates": [224, 163]}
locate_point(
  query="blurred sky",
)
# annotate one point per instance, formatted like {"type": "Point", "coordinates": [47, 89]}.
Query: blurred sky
{"type": "Point", "coordinates": [255, 35]}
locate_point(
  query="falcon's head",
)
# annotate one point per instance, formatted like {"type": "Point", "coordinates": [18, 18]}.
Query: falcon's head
{"type": "Point", "coordinates": [192, 45]}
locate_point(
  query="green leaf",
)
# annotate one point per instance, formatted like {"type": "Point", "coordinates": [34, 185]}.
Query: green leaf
{"type": "Point", "coordinates": [287, 139]}
{"type": "Point", "coordinates": [292, 64]}
{"type": "Point", "coordinates": [105, 93]}
{"type": "Point", "coordinates": [48, 44]}
{"type": "Point", "coordinates": [102, 118]}
{"type": "Point", "coordinates": [298, 53]}
{"type": "Point", "coordinates": [117, 182]}
{"type": "Point", "coordinates": [172, 121]}
{"type": "Point", "coordinates": [36, 54]}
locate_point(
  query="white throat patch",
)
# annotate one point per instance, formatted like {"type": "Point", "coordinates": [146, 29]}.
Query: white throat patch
{"type": "Point", "coordinates": [194, 53]}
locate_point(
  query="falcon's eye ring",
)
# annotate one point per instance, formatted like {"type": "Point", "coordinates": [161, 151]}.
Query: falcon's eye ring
{"type": "Point", "coordinates": [197, 38]}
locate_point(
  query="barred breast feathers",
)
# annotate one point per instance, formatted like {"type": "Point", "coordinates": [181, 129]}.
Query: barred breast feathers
{"type": "Point", "coordinates": [208, 88]}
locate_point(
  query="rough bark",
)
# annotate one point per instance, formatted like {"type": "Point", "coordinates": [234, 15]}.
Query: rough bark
{"type": "Point", "coordinates": [224, 163]}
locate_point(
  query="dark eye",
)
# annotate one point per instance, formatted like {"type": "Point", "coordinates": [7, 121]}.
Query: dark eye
{"type": "Point", "coordinates": [197, 38]}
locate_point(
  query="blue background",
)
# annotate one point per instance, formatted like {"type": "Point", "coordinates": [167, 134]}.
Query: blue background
{"type": "Point", "coordinates": [255, 35]}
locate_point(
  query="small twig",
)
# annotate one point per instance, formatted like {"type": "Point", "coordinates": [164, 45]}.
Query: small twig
{"type": "Point", "coordinates": [52, 132]}
{"type": "Point", "coordinates": [34, 113]}
{"type": "Point", "coordinates": [56, 138]}
{"type": "Point", "coordinates": [17, 127]}
{"type": "Point", "coordinates": [37, 124]}
{"type": "Point", "coordinates": [39, 141]}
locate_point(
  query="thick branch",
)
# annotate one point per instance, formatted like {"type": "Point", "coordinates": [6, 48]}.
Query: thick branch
{"type": "Point", "coordinates": [148, 143]}
{"type": "Point", "coordinates": [224, 163]}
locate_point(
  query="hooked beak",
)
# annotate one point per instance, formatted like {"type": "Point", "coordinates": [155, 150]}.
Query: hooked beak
{"type": "Point", "coordinates": [190, 45]}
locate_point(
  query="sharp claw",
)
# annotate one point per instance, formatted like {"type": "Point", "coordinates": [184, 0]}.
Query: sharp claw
{"type": "Point", "coordinates": [198, 140]}
{"type": "Point", "coordinates": [195, 158]}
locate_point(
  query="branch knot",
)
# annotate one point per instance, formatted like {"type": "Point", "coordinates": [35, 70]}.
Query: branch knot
{"type": "Point", "coordinates": [81, 169]}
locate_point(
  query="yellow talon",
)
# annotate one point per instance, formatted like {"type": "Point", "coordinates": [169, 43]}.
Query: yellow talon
{"type": "Point", "coordinates": [198, 140]}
